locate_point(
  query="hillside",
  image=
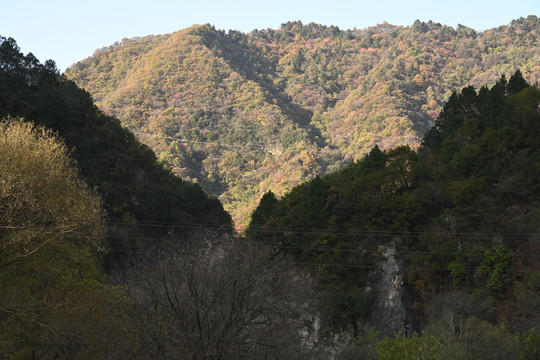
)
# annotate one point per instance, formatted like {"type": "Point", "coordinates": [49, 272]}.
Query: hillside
{"type": "Point", "coordinates": [141, 196]}
{"type": "Point", "coordinates": [246, 113]}
{"type": "Point", "coordinates": [462, 212]}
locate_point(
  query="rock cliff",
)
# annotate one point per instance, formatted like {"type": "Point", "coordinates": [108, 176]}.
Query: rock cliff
{"type": "Point", "coordinates": [387, 293]}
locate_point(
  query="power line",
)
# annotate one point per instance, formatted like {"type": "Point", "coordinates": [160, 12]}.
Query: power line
{"type": "Point", "coordinates": [295, 231]}
{"type": "Point", "coordinates": [315, 264]}
{"type": "Point", "coordinates": [290, 231]}
{"type": "Point", "coordinates": [320, 265]}
{"type": "Point", "coordinates": [220, 144]}
{"type": "Point", "coordinates": [313, 230]}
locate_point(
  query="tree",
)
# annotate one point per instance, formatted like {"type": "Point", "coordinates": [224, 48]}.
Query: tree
{"type": "Point", "coordinates": [53, 303]}
{"type": "Point", "coordinates": [498, 270]}
{"type": "Point", "coordinates": [42, 200]}
{"type": "Point", "coordinates": [204, 299]}
{"type": "Point", "coordinates": [516, 83]}
{"type": "Point", "coordinates": [260, 225]}
{"type": "Point", "coordinates": [264, 211]}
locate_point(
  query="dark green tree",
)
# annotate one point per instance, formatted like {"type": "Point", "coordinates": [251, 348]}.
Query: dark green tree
{"type": "Point", "coordinates": [516, 83]}
{"type": "Point", "coordinates": [264, 211]}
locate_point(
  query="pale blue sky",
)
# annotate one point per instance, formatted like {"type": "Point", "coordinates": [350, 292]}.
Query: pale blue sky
{"type": "Point", "coordinates": [69, 30]}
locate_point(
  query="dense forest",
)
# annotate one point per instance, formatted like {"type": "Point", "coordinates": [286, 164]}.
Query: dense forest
{"type": "Point", "coordinates": [464, 211]}
{"type": "Point", "coordinates": [242, 114]}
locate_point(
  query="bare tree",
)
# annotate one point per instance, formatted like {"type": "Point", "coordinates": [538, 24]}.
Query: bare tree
{"type": "Point", "coordinates": [226, 300]}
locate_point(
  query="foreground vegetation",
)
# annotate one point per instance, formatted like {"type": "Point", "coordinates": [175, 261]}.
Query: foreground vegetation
{"type": "Point", "coordinates": [175, 298]}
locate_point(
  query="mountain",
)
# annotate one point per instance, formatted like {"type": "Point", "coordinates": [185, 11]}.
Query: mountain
{"type": "Point", "coordinates": [142, 197]}
{"type": "Point", "coordinates": [242, 114]}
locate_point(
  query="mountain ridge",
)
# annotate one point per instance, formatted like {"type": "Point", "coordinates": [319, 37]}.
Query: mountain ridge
{"type": "Point", "coordinates": [299, 101]}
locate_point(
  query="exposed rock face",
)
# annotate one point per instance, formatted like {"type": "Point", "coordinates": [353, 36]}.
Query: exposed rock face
{"type": "Point", "coordinates": [389, 313]}
{"type": "Point", "coordinates": [387, 297]}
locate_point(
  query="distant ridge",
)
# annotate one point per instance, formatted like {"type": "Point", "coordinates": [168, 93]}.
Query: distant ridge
{"type": "Point", "coordinates": [246, 113]}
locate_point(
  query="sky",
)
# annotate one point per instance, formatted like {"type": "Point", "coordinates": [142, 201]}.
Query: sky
{"type": "Point", "coordinates": [68, 31]}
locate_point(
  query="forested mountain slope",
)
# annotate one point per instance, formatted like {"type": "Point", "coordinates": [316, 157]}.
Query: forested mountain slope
{"type": "Point", "coordinates": [247, 113]}
{"type": "Point", "coordinates": [463, 211]}
{"type": "Point", "coordinates": [140, 195]}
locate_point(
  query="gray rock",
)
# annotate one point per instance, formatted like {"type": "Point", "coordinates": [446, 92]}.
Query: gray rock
{"type": "Point", "coordinates": [387, 292]}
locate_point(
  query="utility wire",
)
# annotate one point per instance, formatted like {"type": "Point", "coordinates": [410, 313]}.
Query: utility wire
{"type": "Point", "coordinates": [302, 231]}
